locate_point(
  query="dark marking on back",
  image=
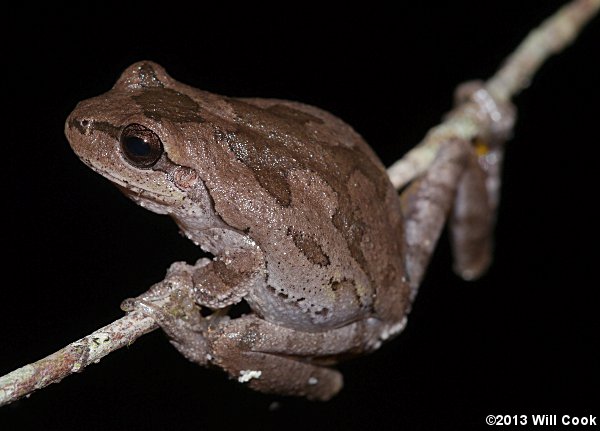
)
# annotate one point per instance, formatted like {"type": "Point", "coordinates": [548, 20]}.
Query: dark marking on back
{"type": "Point", "coordinates": [276, 120]}
{"type": "Point", "coordinates": [309, 247]}
{"type": "Point", "coordinates": [265, 165]}
{"type": "Point", "coordinates": [352, 229]}
{"type": "Point", "coordinates": [158, 103]}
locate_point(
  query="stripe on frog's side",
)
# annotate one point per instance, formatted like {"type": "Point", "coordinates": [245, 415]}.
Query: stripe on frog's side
{"type": "Point", "coordinates": [108, 128]}
{"type": "Point", "coordinates": [74, 123]}
{"type": "Point", "coordinates": [86, 127]}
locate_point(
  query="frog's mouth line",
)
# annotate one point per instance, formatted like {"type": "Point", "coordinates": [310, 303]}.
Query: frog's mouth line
{"type": "Point", "coordinates": [129, 188]}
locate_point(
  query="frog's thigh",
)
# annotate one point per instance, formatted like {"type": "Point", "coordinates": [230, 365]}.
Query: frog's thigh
{"type": "Point", "coordinates": [274, 359]}
{"type": "Point", "coordinates": [425, 205]}
{"type": "Point", "coordinates": [471, 223]}
{"type": "Point", "coordinates": [280, 375]}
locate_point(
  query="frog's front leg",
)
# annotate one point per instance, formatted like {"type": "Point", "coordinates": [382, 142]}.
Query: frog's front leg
{"type": "Point", "coordinates": [171, 303]}
{"type": "Point", "coordinates": [228, 278]}
{"type": "Point", "coordinates": [174, 303]}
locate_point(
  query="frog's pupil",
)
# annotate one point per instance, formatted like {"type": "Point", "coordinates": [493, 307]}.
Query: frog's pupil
{"type": "Point", "coordinates": [137, 147]}
{"type": "Point", "coordinates": [141, 146]}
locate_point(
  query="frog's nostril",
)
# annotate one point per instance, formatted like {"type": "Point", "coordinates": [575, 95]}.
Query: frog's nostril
{"type": "Point", "coordinates": [82, 125]}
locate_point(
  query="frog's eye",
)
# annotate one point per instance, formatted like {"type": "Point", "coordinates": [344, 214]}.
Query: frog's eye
{"type": "Point", "coordinates": [141, 146]}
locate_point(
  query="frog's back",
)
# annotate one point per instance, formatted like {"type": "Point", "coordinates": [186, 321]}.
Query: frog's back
{"type": "Point", "coordinates": [332, 234]}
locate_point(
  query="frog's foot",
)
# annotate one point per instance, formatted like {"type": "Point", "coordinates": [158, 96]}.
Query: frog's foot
{"type": "Point", "coordinates": [472, 222]}
{"type": "Point", "coordinates": [474, 212]}
{"type": "Point", "coordinates": [497, 116]}
{"type": "Point", "coordinates": [172, 306]}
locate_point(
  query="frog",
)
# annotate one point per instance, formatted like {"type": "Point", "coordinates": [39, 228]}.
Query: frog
{"type": "Point", "coordinates": [301, 221]}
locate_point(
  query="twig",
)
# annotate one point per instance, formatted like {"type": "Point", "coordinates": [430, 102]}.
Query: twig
{"type": "Point", "coordinates": [549, 38]}
{"type": "Point", "coordinates": [74, 357]}
{"type": "Point", "coordinates": [552, 36]}
{"type": "Point", "coordinates": [555, 34]}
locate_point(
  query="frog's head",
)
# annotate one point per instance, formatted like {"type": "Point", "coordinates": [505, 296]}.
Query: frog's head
{"type": "Point", "coordinates": [138, 136]}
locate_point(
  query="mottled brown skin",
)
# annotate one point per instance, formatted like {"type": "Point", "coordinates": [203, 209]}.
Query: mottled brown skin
{"type": "Point", "coordinates": [298, 212]}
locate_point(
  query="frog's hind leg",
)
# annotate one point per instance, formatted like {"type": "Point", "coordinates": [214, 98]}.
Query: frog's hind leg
{"type": "Point", "coordinates": [276, 374]}
{"type": "Point", "coordinates": [274, 359]}
{"type": "Point", "coordinates": [462, 184]}
{"type": "Point", "coordinates": [426, 203]}
{"type": "Point", "coordinates": [464, 176]}
{"type": "Point", "coordinates": [473, 215]}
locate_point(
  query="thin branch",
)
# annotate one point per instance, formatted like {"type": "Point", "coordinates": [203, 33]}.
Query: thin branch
{"type": "Point", "coordinates": [555, 34]}
{"type": "Point", "coordinates": [74, 357]}
{"type": "Point", "coordinates": [549, 38]}
{"type": "Point", "coordinates": [552, 36]}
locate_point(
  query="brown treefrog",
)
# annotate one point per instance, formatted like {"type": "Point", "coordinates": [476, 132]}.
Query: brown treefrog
{"type": "Point", "coordinates": [301, 218]}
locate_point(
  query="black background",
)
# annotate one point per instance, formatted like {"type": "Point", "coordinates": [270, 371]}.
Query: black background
{"type": "Point", "coordinates": [519, 341]}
